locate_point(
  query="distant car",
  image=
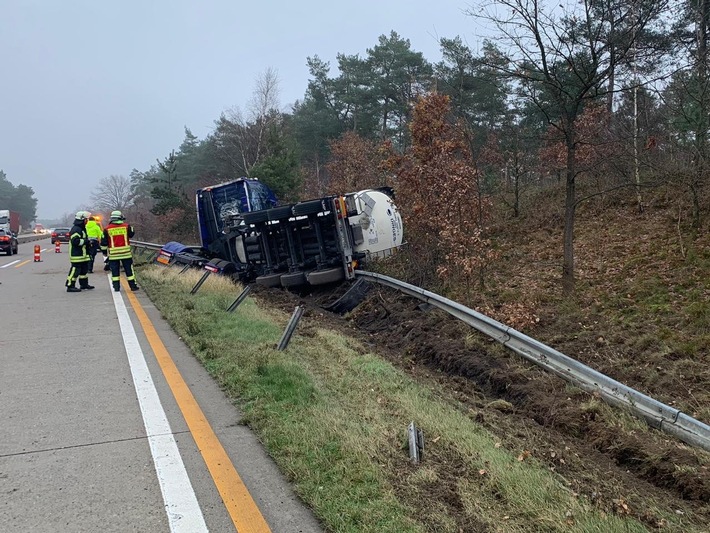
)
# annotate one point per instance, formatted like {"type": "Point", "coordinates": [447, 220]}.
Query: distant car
{"type": "Point", "coordinates": [61, 235]}
{"type": "Point", "coordinates": [8, 242]}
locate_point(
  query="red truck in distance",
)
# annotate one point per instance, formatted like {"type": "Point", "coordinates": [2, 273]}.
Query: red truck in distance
{"type": "Point", "coordinates": [10, 220]}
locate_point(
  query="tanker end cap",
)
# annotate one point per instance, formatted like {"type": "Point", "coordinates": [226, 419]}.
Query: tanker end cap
{"type": "Point", "coordinates": [380, 221]}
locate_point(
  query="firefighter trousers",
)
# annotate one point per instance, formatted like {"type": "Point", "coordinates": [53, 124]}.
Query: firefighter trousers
{"type": "Point", "coordinates": [115, 266]}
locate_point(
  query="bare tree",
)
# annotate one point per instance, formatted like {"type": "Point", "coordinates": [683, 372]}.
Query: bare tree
{"type": "Point", "coordinates": [562, 56]}
{"type": "Point", "coordinates": [244, 135]}
{"type": "Point", "coordinates": [114, 192]}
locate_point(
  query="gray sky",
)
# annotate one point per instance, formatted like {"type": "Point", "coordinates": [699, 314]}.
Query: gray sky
{"type": "Point", "coordinates": [90, 88]}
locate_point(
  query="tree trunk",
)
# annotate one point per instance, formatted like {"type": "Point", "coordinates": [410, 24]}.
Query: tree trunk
{"type": "Point", "coordinates": [570, 208]}
{"type": "Point", "coordinates": [701, 134]}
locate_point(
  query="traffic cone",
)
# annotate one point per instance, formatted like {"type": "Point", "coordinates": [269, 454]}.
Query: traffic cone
{"type": "Point", "coordinates": [37, 253]}
{"type": "Point", "coordinates": [57, 247]}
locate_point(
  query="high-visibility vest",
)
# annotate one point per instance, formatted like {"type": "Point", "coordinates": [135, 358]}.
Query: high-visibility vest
{"type": "Point", "coordinates": [93, 229]}
{"type": "Point", "coordinates": [119, 246]}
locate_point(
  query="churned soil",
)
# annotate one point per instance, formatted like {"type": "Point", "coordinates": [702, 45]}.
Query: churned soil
{"type": "Point", "coordinates": [621, 468]}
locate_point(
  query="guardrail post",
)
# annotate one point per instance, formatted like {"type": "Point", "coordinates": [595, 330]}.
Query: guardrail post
{"type": "Point", "coordinates": [184, 269]}
{"type": "Point", "coordinates": [200, 282]}
{"type": "Point", "coordinates": [416, 443]}
{"type": "Point", "coordinates": [239, 299]}
{"type": "Point", "coordinates": [151, 256]}
{"type": "Point", "coordinates": [290, 328]}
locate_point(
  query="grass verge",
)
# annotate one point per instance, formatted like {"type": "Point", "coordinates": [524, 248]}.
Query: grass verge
{"type": "Point", "coordinates": [334, 418]}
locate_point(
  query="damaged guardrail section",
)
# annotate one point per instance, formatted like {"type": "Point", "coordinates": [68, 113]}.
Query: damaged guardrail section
{"type": "Point", "coordinates": [655, 413]}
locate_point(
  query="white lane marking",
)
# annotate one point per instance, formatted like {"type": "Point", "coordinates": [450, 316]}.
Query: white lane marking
{"type": "Point", "coordinates": [10, 264]}
{"type": "Point", "coordinates": [184, 513]}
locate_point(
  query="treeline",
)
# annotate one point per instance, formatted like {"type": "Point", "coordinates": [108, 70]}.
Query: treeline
{"type": "Point", "coordinates": [18, 198]}
{"type": "Point", "coordinates": [601, 95]}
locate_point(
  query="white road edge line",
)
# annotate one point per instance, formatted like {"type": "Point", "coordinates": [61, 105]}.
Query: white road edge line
{"type": "Point", "coordinates": [181, 506]}
{"type": "Point", "coordinates": [10, 264]}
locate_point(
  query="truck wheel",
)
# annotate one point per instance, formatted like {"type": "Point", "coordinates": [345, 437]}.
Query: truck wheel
{"type": "Point", "coordinates": [293, 280]}
{"type": "Point", "coordinates": [269, 280]}
{"type": "Point", "coordinates": [323, 277]}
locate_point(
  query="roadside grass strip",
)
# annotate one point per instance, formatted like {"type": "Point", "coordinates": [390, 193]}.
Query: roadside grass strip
{"type": "Point", "coordinates": [334, 418]}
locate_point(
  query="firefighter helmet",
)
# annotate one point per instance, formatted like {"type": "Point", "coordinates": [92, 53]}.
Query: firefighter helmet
{"type": "Point", "coordinates": [116, 215]}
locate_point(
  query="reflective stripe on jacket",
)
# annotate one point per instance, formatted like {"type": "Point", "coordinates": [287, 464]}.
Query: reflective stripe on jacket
{"type": "Point", "coordinates": [116, 241]}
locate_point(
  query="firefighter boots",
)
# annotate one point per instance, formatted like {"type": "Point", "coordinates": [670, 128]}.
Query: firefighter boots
{"type": "Point", "coordinates": [117, 286]}
{"type": "Point", "coordinates": [133, 286]}
{"type": "Point", "coordinates": [84, 284]}
{"type": "Point", "coordinates": [72, 288]}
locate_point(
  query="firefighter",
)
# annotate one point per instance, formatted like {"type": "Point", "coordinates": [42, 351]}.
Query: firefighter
{"type": "Point", "coordinates": [116, 245]}
{"type": "Point", "coordinates": [78, 241]}
{"type": "Point", "coordinates": [94, 232]}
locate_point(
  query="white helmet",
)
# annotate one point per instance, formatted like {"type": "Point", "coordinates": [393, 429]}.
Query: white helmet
{"type": "Point", "coordinates": [82, 215]}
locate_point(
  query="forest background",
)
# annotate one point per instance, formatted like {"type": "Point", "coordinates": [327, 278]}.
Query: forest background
{"type": "Point", "coordinates": [594, 97]}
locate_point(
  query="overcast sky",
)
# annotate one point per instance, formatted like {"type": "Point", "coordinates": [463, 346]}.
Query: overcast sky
{"type": "Point", "coordinates": [90, 88]}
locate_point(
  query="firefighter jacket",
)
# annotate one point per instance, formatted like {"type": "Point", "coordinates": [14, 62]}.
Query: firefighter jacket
{"type": "Point", "coordinates": [78, 241]}
{"type": "Point", "coordinates": [116, 241]}
{"type": "Point", "coordinates": [94, 230]}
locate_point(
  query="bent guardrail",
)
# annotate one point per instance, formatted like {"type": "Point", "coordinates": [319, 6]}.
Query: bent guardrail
{"type": "Point", "coordinates": [656, 414]}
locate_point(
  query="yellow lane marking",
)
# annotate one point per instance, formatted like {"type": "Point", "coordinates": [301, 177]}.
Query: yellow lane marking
{"type": "Point", "coordinates": [23, 263]}
{"type": "Point", "coordinates": [241, 506]}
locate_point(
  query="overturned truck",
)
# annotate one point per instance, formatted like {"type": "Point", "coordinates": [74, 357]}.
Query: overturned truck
{"type": "Point", "coordinates": [245, 233]}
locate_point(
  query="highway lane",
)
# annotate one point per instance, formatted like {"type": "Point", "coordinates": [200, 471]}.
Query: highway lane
{"type": "Point", "coordinates": [95, 437]}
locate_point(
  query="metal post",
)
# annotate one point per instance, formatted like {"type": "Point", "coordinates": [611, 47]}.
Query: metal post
{"type": "Point", "coordinates": [151, 256]}
{"type": "Point", "coordinates": [416, 443]}
{"type": "Point", "coordinates": [184, 269]}
{"type": "Point", "coordinates": [290, 328]}
{"type": "Point", "coordinates": [199, 283]}
{"type": "Point", "coordinates": [239, 299]}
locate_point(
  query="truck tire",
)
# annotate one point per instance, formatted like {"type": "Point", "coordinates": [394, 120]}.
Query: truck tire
{"type": "Point", "coordinates": [227, 267]}
{"type": "Point", "coordinates": [323, 277]}
{"type": "Point", "coordinates": [269, 280]}
{"type": "Point", "coordinates": [293, 280]}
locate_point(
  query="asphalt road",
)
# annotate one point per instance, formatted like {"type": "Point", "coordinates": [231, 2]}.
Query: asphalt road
{"type": "Point", "coordinates": [109, 423]}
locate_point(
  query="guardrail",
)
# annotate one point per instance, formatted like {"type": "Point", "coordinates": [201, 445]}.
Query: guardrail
{"type": "Point", "coordinates": [29, 237]}
{"type": "Point", "coordinates": [146, 245]}
{"type": "Point", "coordinates": [656, 414]}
